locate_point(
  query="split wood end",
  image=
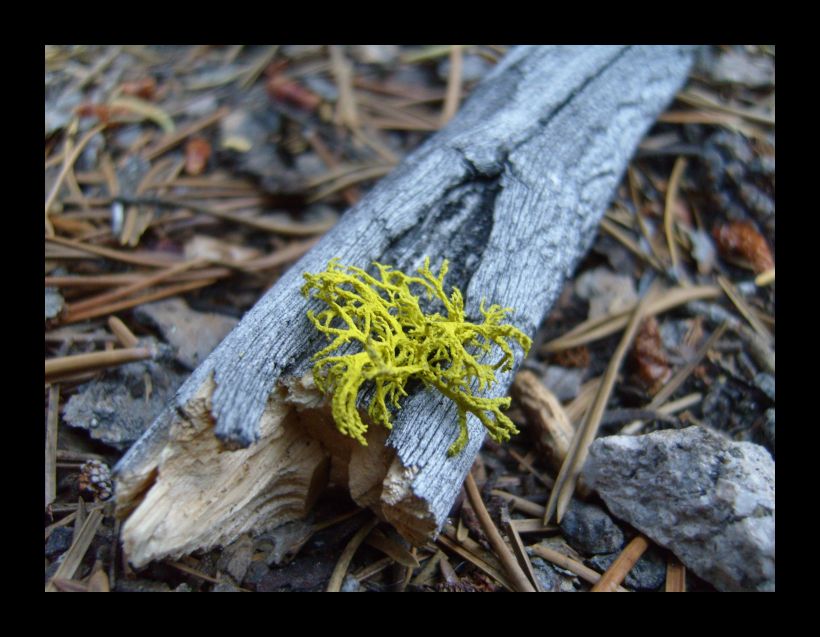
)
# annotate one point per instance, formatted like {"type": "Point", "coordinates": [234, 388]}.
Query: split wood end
{"type": "Point", "coordinates": [193, 493]}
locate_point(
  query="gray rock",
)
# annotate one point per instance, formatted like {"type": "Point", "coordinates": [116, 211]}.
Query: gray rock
{"type": "Point", "coordinates": [118, 407]}
{"type": "Point", "coordinates": [59, 541]}
{"type": "Point", "coordinates": [738, 66]}
{"type": "Point", "coordinates": [54, 303]}
{"type": "Point", "coordinates": [564, 382]}
{"type": "Point", "coordinates": [255, 574]}
{"type": "Point", "coordinates": [226, 587]}
{"type": "Point", "coordinates": [707, 499]}
{"type": "Point", "coordinates": [51, 569]}
{"type": "Point", "coordinates": [590, 530]}
{"type": "Point", "coordinates": [648, 574]}
{"type": "Point", "coordinates": [550, 580]}
{"type": "Point", "coordinates": [286, 540]}
{"type": "Point", "coordinates": [236, 558]}
{"type": "Point", "coordinates": [352, 585]}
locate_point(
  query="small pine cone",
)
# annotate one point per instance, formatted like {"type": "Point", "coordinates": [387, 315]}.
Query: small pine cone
{"type": "Point", "coordinates": [95, 477]}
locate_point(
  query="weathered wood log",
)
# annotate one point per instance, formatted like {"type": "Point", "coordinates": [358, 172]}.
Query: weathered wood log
{"type": "Point", "coordinates": [511, 192]}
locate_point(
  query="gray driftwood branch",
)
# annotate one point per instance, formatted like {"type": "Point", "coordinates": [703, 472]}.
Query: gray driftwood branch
{"type": "Point", "coordinates": [511, 192]}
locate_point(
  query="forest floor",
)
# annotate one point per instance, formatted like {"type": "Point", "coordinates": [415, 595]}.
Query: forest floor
{"type": "Point", "coordinates": [182, 181]}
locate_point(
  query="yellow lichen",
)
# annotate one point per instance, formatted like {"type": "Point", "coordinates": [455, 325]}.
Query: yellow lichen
{"type": "Point", "coordinates": [395, 341]}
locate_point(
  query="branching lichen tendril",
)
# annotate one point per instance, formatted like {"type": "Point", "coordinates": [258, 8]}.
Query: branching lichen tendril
{"type": "Point", "coordinates": [388, 340]}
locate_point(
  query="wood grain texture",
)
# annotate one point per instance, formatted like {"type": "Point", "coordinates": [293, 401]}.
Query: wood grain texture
{"type": "Point", "coordinates": [511, 192]}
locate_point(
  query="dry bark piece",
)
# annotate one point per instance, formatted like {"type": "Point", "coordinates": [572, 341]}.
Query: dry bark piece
{"type": "Point", "coordinates": [192, 334]}
{"type": "Point", "coordinates": [544, 411]}
{"type": "Point", "coordinates": [573, 357]}
{"type": "Point", "coordinates": [197, 154]}
{"type": "Point", "coordinates": [741, 239]}
{"type": "Point", "coordinates": [510, 192]}
{"type": "Point", "coordinates": [648, 356]}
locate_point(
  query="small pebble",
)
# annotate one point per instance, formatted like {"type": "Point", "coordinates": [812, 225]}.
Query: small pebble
{"type": "Point", "coordinates": [549, 579]}
{"type": "Point", "coordinates": [59, 541]}
{"type": "Point", "coordinates": [590, 530]}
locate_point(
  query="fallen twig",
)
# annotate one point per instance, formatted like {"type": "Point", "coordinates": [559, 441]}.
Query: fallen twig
{"type": "Point", "coordinates": [743, 307]}
{"type": "Point", "coordinates": [169, 141]}
{"type": "Point", "coordinates": [574, 462]}
{"type": "Point", "coordinates": [453, 96]}
{"type": "Point", "coordinates": [620, 568]}
{"type": "Point", "coordinates": [75, 554]}
{"type": "Point", "coordinates": [522, 504]}
{"type": "Point", "coordinates": [469, 550]}
{"type": "Point", "coordinates": [675, 576]}
{"type": "Point", "coordinates": [338, 576]}
{"type": "Point", "coordinates": [598, 328]}
{"type": "Point", "coordinates": [67, 164]}
{"type": "Point", "coordinates": [569, 564]}
{"type": "Point", "coordinates": [134, 258]}
{"type": "Point", "coordinates": [124, 335]}
{"type": "Point", "coordinates": [111, 308]}
{"type": "Point", "coordinates": [511, 566]}
{"type": "Point", "coordinates": [668, 216]}
{"type": "Point", "coordinates": [145, 282]}
{"type": "Point", "coordinates": [59, 367]}
{"type": "Point", "coordinates": [52, 421]}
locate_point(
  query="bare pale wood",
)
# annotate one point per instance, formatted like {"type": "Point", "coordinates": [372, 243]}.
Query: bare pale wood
{"type": "Point", "coordinates": [511, 192]}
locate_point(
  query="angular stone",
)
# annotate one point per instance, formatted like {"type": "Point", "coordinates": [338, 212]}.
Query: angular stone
{"type": "Point", "coordinates": [590, 530]}
{"type": "Point", "coordinates": [118, 407]}
{"type": "Point", "coordinates": [236, 558]}
{"type": "Point", "coordinates": [706, 498]}
{"type": "Point", "coordinates": [59, 541]}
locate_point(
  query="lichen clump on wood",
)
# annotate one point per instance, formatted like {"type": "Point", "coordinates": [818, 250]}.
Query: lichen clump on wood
{"type": "Point", "coordinates": [398, 341]}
